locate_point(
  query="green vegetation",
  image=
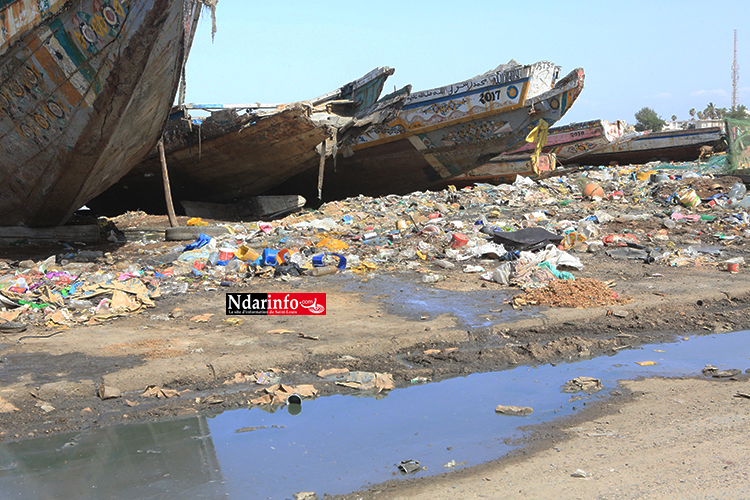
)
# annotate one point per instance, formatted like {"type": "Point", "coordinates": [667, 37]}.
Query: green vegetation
{"type": "Point", "coordinates": [647, 119]}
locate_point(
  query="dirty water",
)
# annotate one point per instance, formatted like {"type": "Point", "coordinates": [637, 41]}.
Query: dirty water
{"type": "Point", "coordinates": [335, 444]}
{"type": "Point", "coordinates": [408, 297]}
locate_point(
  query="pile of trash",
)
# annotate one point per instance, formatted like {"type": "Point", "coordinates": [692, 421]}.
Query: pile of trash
{"type": "Point", "coordinates": [581, 293]}
{"type": "Point", "coordinates": [530, 234]}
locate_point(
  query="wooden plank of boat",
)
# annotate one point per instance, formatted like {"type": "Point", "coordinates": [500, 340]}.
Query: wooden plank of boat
{"type": "Point", "coordinates": [253, 208]}
{"type": "Point", "coordinates": [89, 234]}
{"type": "Point", "coordinates": [670, 145]}
{"type": "Point", "coordinates": [445, 132]}
{"type": "Point", "coordinates": [231, 155]}
{"type": "Point", "coordinates": [505, 168]}
{"type": "Point", "coordinates": [86, 87]}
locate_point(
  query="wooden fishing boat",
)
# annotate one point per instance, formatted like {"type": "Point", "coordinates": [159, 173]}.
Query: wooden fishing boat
{"type": "Point", "coordinates": [85, 89]}
{"type": "Point", "coordinates": [444, 132]}
{"type": "Point", "coordinates": [669, 145]}
{"type": "Point", "coordinates": [564, 146]}
{"type": "Point", "coordinates": [242, 150]}
{"type": "Point", "coordinates": [573, 141]}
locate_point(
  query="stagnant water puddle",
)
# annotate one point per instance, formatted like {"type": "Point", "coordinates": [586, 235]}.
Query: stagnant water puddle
{"type": "Point", "coordinates": [408, 297]}
{"type": "Point", "coordinates": [336, 444]}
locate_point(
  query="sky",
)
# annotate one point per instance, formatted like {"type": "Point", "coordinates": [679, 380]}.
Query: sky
{"type": "Point", "coordinates": [667, 55]}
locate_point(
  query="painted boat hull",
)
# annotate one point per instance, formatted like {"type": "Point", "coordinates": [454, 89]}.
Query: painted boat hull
{"type": "Point", "coordinates": [84, 94]}
{"type": "Point", "coordinates": [673, 145]}
{"type": "Point", "coordinates": [440, 139]}
{"type": "Point", "coordinates": [575, 140]}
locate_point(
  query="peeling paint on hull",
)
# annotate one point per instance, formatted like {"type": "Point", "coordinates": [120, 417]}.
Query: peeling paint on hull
{"type": "Point", "coordinates": [84, 95]}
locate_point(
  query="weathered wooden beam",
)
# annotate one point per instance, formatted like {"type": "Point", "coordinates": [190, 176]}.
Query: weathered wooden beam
{"type": "Point", "coordinates": [85, 234]}
{"type": "Point", "coordinates": [167, 189]}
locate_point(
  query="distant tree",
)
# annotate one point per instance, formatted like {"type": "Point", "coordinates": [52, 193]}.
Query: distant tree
{"type": "Point", "coordinates": [692, 113]}
{"type": "Point", "coordinates": [647, 119]}
{"type": "Point", "coordinates": [739, 113]}
{"type": "Point", "coordinates": [701, 116]}
{"type": "Point", "coordinates": [710, 113]}
{"type": "Point", "coordinates": [674, 118]}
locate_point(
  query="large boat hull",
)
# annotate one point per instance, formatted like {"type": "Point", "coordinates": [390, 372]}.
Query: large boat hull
{"type": "Point", "coordinates": [441, 139]}
{"type": "Point", "coordinates": [231, 156]}
{"type": "Point", "coordinates": [672, 145]}
{"type": "Point", "coordinates": [84, 95]}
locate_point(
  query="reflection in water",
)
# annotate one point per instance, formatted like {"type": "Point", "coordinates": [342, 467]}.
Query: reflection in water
{"type": "Point", "coordinates": [337, 444]}
{"type": "Point", "coordinates": [159, 460]}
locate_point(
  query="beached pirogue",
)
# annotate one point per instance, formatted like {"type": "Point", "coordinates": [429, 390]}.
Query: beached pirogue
{"type": "Point", "coordinates": [243, 150]}
{"type": "Point", "coordinates": [445, 132]}
{"type": "Point", "coordinates": [400, 143]}
{"type": "Point", "coordinates": [85, 89]}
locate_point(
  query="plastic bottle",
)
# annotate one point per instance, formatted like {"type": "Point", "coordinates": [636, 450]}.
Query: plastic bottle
{"type": "Point", "coordinates": [213, 258]}
{"type": "Point", "coordinates": [80, 304]}
{"type": "Point", "coordinates": [322, 271]}
{"type": "Point", "coordinates": [444, 264]}
{"type": "Point", "coordinates": [352, 260]}
{"type": "Point", "coordinates": [745, 203]}
{"type": "Point", "coordinates": [737, 191]}
{"type": "Point", "coordinates": [432, 278]}
{"type": "Point", "coordinates": [232, 266]}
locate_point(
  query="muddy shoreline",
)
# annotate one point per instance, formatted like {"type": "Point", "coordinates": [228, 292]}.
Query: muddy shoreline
{"type": "Point", "coordinates": [663, 309]}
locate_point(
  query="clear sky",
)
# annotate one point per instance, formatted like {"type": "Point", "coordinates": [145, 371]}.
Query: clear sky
{"type": "Point", "coordinates": [669, 55]}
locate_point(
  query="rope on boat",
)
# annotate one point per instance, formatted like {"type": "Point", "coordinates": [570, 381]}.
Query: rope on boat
{"type": "Point", "coordinates": [211, 4]}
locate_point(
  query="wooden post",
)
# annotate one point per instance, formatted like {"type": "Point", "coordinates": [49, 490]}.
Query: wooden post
{"type": "Point", "coordinates": [167, 189]}
{"type": "Point", "coordinates": [321, 169]}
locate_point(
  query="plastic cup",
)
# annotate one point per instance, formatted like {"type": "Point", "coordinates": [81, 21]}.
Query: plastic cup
{"type": "Point", "coordinates": [226, 254]}
{"type": "Point", "coordinates": [459, 240]}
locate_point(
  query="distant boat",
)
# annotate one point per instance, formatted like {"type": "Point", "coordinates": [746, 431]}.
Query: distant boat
{"type": "Point", "coordinates": [669, 145]}
{"type": "Point", "coordinates": [444, 132]}
{"type": "Point", "coordinates": [505, 169]}
{"type": "Point", "coordinates": [564, 145]}
{"type": "Point", "coordinates": [242, 150]}
{"type": "Point", "coordinates": [85, 90]}
{"type": "Point", "coordinates": [573, 141]}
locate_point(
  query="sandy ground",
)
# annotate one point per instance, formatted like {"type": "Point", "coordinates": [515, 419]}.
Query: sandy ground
{"type": "Point", "coordinates": [676, 438]}
{"type": "Point", "coordinates": [660, 439]}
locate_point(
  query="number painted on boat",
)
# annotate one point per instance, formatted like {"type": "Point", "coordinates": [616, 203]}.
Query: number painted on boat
{"type": "Point", "coordinates": [496, 95]}
{"type": "Point", "coordinates": [490, 96]}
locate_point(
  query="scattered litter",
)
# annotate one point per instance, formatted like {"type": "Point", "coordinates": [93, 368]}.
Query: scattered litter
{"type": "Point", "coordinates": [6, 406]}
{"type": "Point", "coordinates": [409, 466]}
{"type": "Point", "coordinates": [108, 392]}
{"type": "Point", "coordinates": [153, 391]}
{"type": "Point", "coordinates": [583, 384]}
{"type": "Point", "coordinates": [514, 411]}
{"type": "Point", "coordinates": [202, 318]}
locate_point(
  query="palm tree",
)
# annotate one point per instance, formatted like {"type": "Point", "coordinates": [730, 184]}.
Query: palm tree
{"type": "Point", "coordinates": [692, 113]}
{"type": "Point", "coordinates": [674, 118]}
{"type": "Point", "coordinates": [710, 111]}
